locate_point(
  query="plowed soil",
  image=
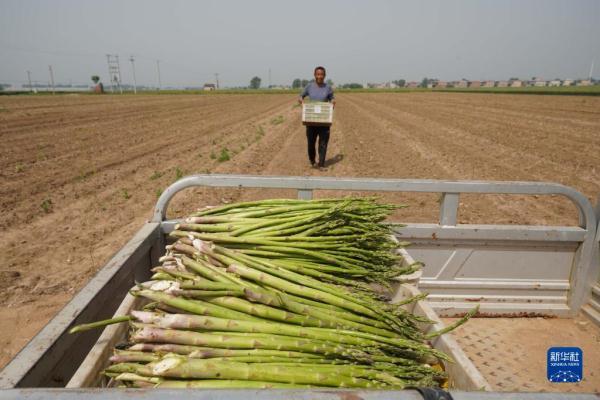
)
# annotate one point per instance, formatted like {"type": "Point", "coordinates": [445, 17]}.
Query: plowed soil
{"type": "Point", "coordinates": [80, 174]}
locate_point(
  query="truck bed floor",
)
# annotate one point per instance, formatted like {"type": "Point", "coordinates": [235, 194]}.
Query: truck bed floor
{"type": "Point", "coordinates": [511, 352]}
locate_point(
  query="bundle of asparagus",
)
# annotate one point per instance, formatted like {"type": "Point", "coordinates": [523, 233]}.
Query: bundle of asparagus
{"type": "Point", "coordinates": [333, 239]}
{"type": "Point", "coordinates": [277, 293]}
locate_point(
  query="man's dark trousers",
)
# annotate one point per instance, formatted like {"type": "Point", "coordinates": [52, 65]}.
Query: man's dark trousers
{"type": "Point", "coordinates": [322, 133]}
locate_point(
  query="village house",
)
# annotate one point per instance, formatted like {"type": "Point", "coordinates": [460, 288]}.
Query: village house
{"type": "Point", "coordinates": [209, 86]}
{"type": "Point", "coordinates": [441, 84]}
{"type": "Point", "coordinates": [516, 83]}
{"type": "Point", "coordinates": [461, 84]}
{"type": "Point", "coordinates": [502, 84]}
{"type": "Point", "coordinates": [554, 82]}
{"type": "Point", "coordinates": [567, 82]}
{"type": "Point", "coordinates": [488, 84]}
{"type": "Point", "coordinates": [412, 85]}
{"type": "Point", "coordinates": [584, 82]}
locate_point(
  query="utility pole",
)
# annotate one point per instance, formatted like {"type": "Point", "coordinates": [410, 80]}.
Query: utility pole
{"type": "Point", "coordinates": [269, 78]}
{"type": "Point", "coordinates": [51, 77]}
{"type": "Point", "coordinates": [592, 69]}
{"type": "Point", "coordinates": [134, 81]}
{"type": "Point", "coordinates": [110, 76]}
{"type": "Point", "coordinates": [29, 79]}
{"type": "Point", "coordinates": [158, 70]}
{"type": "Point", "coordinates": [217, 79]}
{"type": "Point", "coordinates": [119, 69]}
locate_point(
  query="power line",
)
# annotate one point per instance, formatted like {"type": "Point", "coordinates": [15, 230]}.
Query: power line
{"type": "Point", "coordinates": [190, 70]}
{"type": "Point", "coordinates": [145, 57]}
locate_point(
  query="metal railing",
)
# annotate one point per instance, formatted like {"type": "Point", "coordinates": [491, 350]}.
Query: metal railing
{"type": "Point", "coordinates": [584, 268]}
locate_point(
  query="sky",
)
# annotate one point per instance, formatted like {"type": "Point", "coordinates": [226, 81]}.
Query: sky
{"type": "Point", "coordinates": [357, 41]}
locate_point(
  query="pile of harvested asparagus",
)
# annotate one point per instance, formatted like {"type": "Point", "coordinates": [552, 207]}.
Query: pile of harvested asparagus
{"type": "Point", "coordinates": [277, 294]}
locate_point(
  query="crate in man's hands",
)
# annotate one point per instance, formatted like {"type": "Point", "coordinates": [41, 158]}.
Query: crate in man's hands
{"type": "Point", "coordinates": [317, 113]}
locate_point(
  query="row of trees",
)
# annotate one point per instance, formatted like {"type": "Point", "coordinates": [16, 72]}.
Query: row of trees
{"type": "Point", "coordinates": [301, 83]}
{"type": "Point", "coordinates": [296, 84]}
{"type": "Point", "coordinates": [352, 85]}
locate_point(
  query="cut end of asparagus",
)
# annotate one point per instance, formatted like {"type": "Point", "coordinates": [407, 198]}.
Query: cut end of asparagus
{"type": "Point", "coordinates": [201, 245]}
{"type": "Point", "coordinates": [166, 364]}
{"type": "Point", "coordinates": [165, 286]}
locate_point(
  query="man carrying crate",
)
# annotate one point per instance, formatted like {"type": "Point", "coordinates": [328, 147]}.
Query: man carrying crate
{"type": "Point", "coordinates": [317, 90]}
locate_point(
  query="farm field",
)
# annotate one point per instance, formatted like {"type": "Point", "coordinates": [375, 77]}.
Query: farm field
{"type": "Point", "coordinates": [79, 174]}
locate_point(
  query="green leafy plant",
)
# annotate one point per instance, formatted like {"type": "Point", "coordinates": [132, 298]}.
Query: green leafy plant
{"type": "Point", "coordinates": [156, 175]}
{"type": "Point", "coordinates": [126, 195]}
{"type": "Point", "coordinates": [178, 173]}
{"type": "Point", "coordinates": [224, 156]}
{"type": "Point", "coordinates": [260, 132]}
{"type": "Point", "coordinates": [277, 120]}
{"type": "Point", "coordinates": [47, 206]}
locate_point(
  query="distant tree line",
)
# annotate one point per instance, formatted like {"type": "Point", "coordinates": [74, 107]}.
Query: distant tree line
{"type": "Point", "coordinates": [302, 83]}
{"type": "Point", "coordinates": [351, 86]}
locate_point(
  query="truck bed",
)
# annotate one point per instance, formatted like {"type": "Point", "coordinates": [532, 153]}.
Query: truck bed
{"type": "Point", "coordinates": [465, 265]}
